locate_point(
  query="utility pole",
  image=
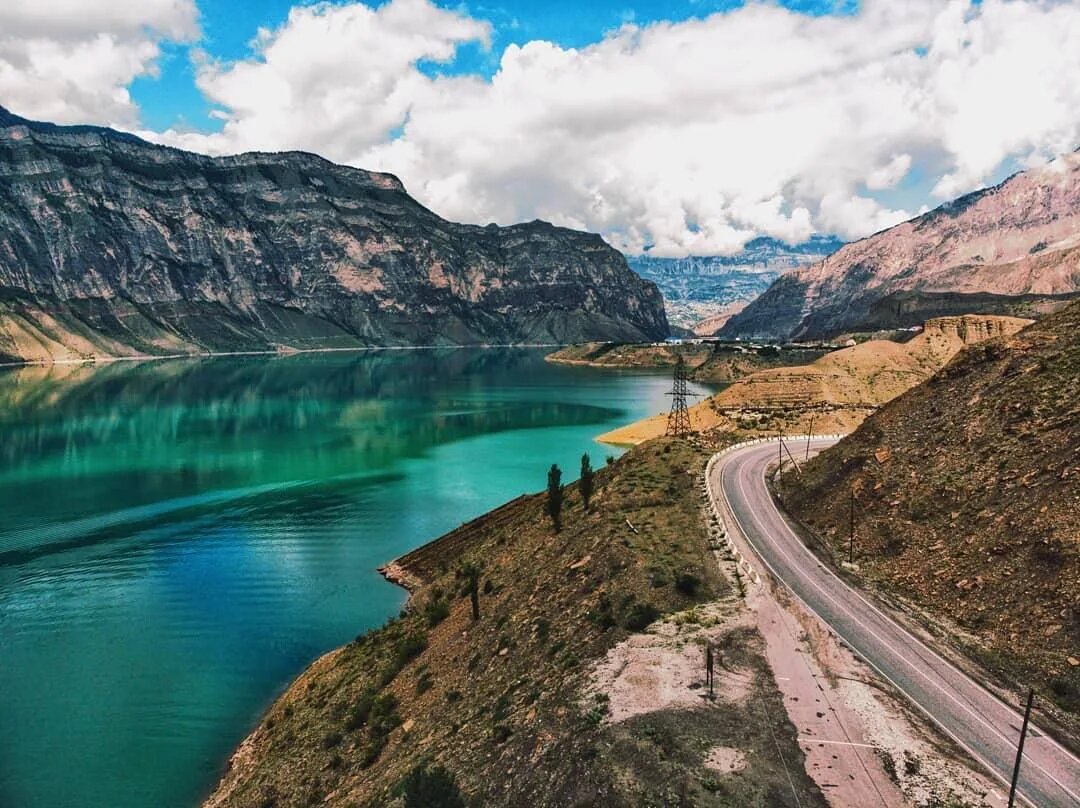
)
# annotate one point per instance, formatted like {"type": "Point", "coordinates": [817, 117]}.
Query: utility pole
{"type": "Point", "coordinates": [851, 530]}
{"type": "Point", "coordinates": [809, 436]}
{"type": "Point", "coordinates": [678, 424]}
{"type": "Point", "coordinates": [1020, 747]}
{"type": "Point", "coordinates": [780, 454]}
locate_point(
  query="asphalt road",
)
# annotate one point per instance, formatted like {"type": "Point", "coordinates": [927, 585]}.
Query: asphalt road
{"type": "Point", "coordinates": [976, 719]}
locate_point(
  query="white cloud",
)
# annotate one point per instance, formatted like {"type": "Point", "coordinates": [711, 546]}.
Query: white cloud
{"type": "Point", "coordinates": [333, 79]}
{"type": "Point", "coordinates": [71, 62]}
{"type": "Point", "coordinates": [692, 136]}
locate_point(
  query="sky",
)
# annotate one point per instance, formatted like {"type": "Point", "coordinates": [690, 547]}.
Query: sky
{"type": "Point", "coordinates": [679, 127]}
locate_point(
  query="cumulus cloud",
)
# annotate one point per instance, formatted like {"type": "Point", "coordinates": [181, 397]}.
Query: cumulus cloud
{"type": "Point", "coordinates": [682, 137]}
{"type": "Point", "coordinates": [72, 62]}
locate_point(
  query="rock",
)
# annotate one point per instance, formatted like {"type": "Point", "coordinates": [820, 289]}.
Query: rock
{"type": "Point", "coordinates": [110, 245]}
{"type": "Point", "coordinates": [1074, 661]}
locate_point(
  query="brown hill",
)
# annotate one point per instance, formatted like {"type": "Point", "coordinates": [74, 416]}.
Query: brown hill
{"type": "Point", "coordinates": [506, 703]}
{"type": "Point", "coordinates": [1011, 249]}
{"type": "Point", "coordinates": [710, 363]}
{"type": "Point", "coordinates": [968, 499]}
{"type": "Point", "coordinates": [838, 390]}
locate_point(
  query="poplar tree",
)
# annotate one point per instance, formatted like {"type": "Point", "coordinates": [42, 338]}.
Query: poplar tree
{"type": "Point", "coordinates": [469, 573]}
{"type": "Point", "coordinates": [585, 483]}
{"type": "Point", "coordinates": [555, 497]}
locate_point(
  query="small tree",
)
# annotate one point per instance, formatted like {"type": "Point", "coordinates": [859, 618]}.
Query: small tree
{"type": "Point", "coordinates": [431, 788]}
{"type": "Point", "coordinates": [554, 497]}
{"type": "Point", "coordinates": [469, 573]}
{"type": "Point", "coordinates": [585, 483]}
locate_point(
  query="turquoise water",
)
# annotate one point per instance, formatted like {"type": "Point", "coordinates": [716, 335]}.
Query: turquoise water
{"type": "Point", "coordinates": [179, 539]}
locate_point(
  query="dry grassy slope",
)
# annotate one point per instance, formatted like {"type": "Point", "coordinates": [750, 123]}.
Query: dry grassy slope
{"type": "Point", "coordinates": [499, 702]}
{"type": "Point", "coordinates": [869, 374]}
{"type": "Point", "coordinates": [969, 499]}
{"type": "Point", "coordinates": [708, 363]}
{"type": "Point", "coordinates": [837, 390]}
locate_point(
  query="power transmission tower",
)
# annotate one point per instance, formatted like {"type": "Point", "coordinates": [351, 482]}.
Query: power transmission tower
{"type": "Point", "coordinates": [678, 422]}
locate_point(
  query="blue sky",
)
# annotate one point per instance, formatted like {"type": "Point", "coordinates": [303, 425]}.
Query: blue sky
{"type": "Point", "coordinates": [727, 121]}
{"type": "Point", "coordinates": [229, 26]}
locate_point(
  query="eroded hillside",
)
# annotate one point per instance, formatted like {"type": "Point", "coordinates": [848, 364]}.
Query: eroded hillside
{"type": "Point", "coordinates": [967, 493]}
{"type": "Point", "coordinates": [835, 392]}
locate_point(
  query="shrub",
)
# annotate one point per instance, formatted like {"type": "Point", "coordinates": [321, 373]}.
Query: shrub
{"type": "Point", "coordinates": [424, 682]}
{"type": "Point", "coordinates": [331, 739]}
{"type": "Point", "coordinates": [358, 715]}
{"type": "Point", "coordinates": [435, 611]}
{"type": "Point", "coordinates": [431, 788]}
{"type": "Point", "coordinates": [408, 648]}
{"type": "Point", "coordinates": [688, 584]}
{"type": "Point", "coordinates": [639, 616]}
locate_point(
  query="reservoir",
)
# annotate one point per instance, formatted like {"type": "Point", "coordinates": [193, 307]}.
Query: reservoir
{"type": "Point", "coordinates": [179, 539]}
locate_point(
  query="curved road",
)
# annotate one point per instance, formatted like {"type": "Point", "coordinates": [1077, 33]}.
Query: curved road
{"type": "Point", "coordinates": [977, 720]}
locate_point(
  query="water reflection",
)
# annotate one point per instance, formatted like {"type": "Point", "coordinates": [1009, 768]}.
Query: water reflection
{"type": "Point", "coordinates": [179, 539]}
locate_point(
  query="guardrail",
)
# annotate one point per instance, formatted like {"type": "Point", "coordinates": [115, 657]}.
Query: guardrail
{"type": "Point", "coordinates": [723, 520]}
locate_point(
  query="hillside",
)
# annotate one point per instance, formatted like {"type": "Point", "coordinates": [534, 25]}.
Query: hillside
{"type": "Point", "coordinates": [1013, 249]}
{"type": "Point", "coordinates": [509, 706]}
{"type": "Point", "coordinates": [111, 246]}
{"type": "Point", "coordinates": [837, 391]}
{"type": "Point", "coordinates": [714, 364]}
{"type": "Point", "coordinates": [968, 500]}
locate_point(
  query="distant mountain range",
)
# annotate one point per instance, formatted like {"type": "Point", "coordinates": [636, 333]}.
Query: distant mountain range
{"type": "Point", "coordinates": [699, 288]}
{"type": "Point", "coordinates": [1012, 249]}
{"type": "Point", "coordinates": [112, 246]}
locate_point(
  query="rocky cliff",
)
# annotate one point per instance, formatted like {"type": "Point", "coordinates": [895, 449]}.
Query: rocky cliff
{"type": "Point", "coordinates": [110, 245]}
{"type": "Point", "coordinates": [967, 500]}
{"type": "Point", "coordinates": [1012, 249]}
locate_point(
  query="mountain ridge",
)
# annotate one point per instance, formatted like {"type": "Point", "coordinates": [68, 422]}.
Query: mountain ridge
{"type": "Point", "coordinates": [113, 246]}
{"type": "Point", "coordinates": [1012, 249]}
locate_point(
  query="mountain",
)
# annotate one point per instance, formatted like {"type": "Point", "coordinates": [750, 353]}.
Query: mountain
{"type": "Point", "coordinates": [967, 500]}
{"type": "Point", "coordinates": [699, 288]}
{"type": "Point", "coordinates": [113, 246]}
{"type": "Point", "coordinates": [1012, 249]}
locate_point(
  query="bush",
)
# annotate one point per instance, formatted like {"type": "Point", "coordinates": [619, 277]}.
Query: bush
{"type": "Point", "coordinates": [358, 715]}
{"type": "Point", "coordinates": [435, 611]}
{"type": "Point", "coordinates": [431, 788]}
{"type": "Point", "coordinates": [687, 584]}
{"type": "Point", "coordinates": [639, 616]}
{"type": "Point", "coordinates": [408, 648]}
{"type": "Point", "coordinates": [331, 739]}
{"type": "Point", "coordinates": [424, 681]}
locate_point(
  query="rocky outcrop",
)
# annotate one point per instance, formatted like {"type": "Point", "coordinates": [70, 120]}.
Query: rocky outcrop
{"type": "Point", "coordinates": [1013, 249]}
{"type": "Point", "coordinates": [110, 245]}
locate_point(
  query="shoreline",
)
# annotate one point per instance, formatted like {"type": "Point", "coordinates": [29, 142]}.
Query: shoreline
{"type": "Point", "coordinates": [104, 360]}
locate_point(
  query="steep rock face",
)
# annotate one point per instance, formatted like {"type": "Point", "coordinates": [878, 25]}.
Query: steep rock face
{"type": "Point", "coordinates": [110, 245]}
{"type": "Point", "coordinates": [968, 499]}
{"type": "Point", "coordinates": [1012, 249]}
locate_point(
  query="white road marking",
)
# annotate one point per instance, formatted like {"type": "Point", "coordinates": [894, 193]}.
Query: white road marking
{"type": "Point", "coordinates": [917, 644]}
